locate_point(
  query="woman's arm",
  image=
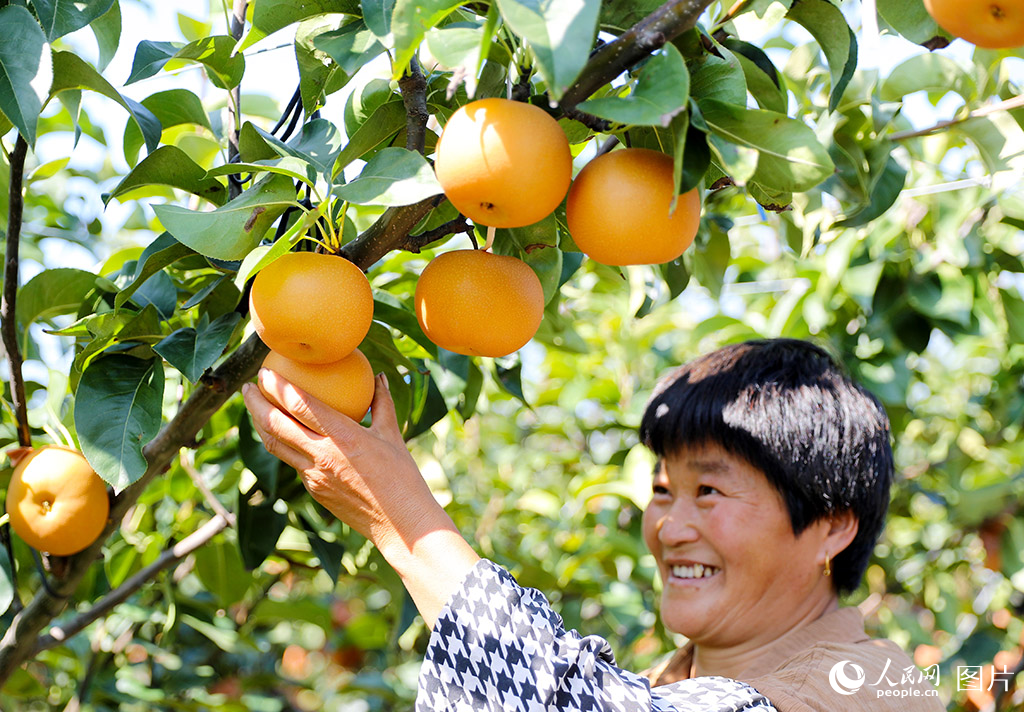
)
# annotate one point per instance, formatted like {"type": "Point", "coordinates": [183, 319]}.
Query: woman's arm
{"type": "Point", "coordinates": [367, 478]}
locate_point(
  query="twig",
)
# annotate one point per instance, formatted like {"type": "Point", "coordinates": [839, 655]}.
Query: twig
{"type": "Point", "coordinates": [237, 27]}
{"type": "Point", "coordinates": [521, 90]}
{"type": "Point", "coordinates": [668, 21]}
{"type": "Point", "coordinates": [1006, 105]}
{"type": "Point", "coordinates": [608, 146]}
{"type": "Point", "coordinates": [415, 243]}
{"type": "Point", "coordinates": [388, 232]}
{"type": "Point", "coordinates": [413, 86]}
{"type": "Point", "coordinates": [211, 499]}
{"type": "Point", "coordinates": [9, 300]}
{"type": "Point", "coordinates": [59, 634]}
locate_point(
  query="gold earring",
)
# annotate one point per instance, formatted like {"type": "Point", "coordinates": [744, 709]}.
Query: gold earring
{"type": "Point", "coordinates": [828, 565]}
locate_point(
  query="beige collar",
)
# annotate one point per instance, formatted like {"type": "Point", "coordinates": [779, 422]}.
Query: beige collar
{"type": "Point", "coordinates": [843, 625]}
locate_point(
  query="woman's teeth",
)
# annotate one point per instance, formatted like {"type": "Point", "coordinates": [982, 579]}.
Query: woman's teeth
{"type": "Point", "coordinates": [694, 572]}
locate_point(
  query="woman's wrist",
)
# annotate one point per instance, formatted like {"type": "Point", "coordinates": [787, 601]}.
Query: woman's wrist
{"type": "Point", "coordinates": [431, 565]}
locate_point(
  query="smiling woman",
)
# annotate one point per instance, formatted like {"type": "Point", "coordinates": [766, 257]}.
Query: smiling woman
{"type": "Point", "coordinates": [771, 488]}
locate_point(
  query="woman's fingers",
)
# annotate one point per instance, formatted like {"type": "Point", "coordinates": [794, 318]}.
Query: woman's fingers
{"type": "Point", "coordinates": [277, 430]}
{"type": "Point", "coordinates": [384, 421]}
{"type": "Point", "coordinates": [308, 410]}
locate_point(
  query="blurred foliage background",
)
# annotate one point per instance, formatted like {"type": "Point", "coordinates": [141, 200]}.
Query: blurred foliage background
{"type": "Point", "coordinates": [906, 265]}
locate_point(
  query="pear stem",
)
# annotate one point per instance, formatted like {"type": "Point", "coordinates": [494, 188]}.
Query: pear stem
{"type": "Point", "coordinates": [490, 238]}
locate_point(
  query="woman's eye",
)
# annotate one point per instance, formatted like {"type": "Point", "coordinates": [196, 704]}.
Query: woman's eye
{"type": "Point", "coordinates": [706, 489]}
{"type": "Point", "coordinates": [659, 489]}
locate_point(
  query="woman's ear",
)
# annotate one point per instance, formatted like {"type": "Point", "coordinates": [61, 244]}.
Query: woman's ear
{"type": "Point", "coordinates": [842, 528]}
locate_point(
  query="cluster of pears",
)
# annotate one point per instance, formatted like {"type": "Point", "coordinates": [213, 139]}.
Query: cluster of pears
{"type": "Point", "coordinates": [313, 310]}
{"type": "Point", "coordinates": [506, 164]}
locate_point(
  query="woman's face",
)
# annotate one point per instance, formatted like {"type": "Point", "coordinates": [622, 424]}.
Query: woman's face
{"type": "Point", "coordinates": [732, 569]}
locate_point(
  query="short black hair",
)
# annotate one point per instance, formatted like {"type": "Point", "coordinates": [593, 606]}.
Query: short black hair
{"type": "Point", "coordinates": [786, 407]}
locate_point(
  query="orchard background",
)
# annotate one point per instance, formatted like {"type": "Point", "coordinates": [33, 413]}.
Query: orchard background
{"type": "Point", "coordinates": [874, 206]}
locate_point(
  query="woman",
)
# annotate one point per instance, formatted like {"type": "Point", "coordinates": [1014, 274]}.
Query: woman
{"type": "Point", "coordinates": [770, 490]}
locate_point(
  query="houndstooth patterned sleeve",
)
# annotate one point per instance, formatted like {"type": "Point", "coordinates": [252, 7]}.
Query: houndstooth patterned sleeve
{"type": "Point", "coordinates": [498, 647]}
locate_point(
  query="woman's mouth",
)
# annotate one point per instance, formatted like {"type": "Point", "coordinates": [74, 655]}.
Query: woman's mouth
{"type": "Point", "coordinates": [693, 572]}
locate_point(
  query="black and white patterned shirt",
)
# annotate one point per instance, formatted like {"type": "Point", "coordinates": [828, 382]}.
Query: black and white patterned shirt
{"type": "Point", "coordinates": [499, 647]}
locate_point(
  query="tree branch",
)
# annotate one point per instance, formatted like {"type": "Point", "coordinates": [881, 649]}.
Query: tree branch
{"type": "Point", "coordinates": [237, 27]}
{"type": "Point", "coordinates": [1015, 102]}
{"type": "Point", "coordinates": [10, 293]}
{"type": "Point", "coordinates": [413, 86]}
{"type": "Point", "coordinates": [415, 243]}
{"type": "Point", "coordinates": [18, 642]}
{"type": "Point", "coordinates": [59, 634]}
{"type": "Point", "coordinates": [668, 21]}
{"type": "Point", "coordinates": [388, 232]}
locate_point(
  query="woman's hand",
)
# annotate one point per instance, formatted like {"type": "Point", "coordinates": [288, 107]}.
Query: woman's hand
{"type": "Point", "coordinates": [367, 478]}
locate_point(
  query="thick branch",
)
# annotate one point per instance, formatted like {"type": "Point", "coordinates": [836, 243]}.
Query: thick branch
{"type": "Point", "coordinates": [20, 639]}
{"type": "Point", "coordinates": [1015, 102]}
{"type": "Point", "coordinates": [170, 557]}
{"type": "Point", "coordinates": [415, 243]}
{"type": "Point", "coordinates": [10, 293]}
{"type": "Point", "coordinates": [668, 21]}
{"type": "Point", "coordinates": [413, 86]}
{"type": "Point", "coordinates": [388, 232]}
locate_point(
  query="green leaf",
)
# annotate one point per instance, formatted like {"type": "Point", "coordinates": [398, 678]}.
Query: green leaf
{"type": "Point", "coordinates": [1000, 143]}
{"type": "Point", "coordinates": [662, 91]}
{"type": "Point", "coordinates": [560, 35]}
{"type": "Point", "coordinates": [193, 29]}
{"type": "Point", "coordinates": [389, 310]}
{"type": "Point", "coordinates": [269, 16]}
{"type": "Point", "coordinates": [107, 29]}
{"type": "Point", "coordinates": [459, 47]}
{"type": "Point", "coordinates": [318, 143]}
{"type": "Point", "coordinates": [255, 457]}
{"type": "Point", "coordinates": [173, 107]}
{"type": "Point", "coordinates": [790, 157]}
{"type": "Point", "coordinates": [117, 412]}
{"type": "Point", "coordinates": [150, 58]}
{"type": "Point", "coordinates": [410, 21]}
{"type": "Point", "coordinates": [763, 81]}
{"type": "Point", "coordinates": [192, 351]}
{"type": "Point", "coordinates": [883, 196]}
{"type": "Point", "coordinates": [384, 123]}
{"type": "Point", "coordinates": [351, 46]}
{"type": "Point", "coordinates": [290, 166]}
{"type": "Point", "coordinates": [319, 74]}
{"type": "Point", "coordinates": [911, 19]}
{"type": "Point", "coordinates": [394, 176]}
{"type": "Point", "coordinates": [62, 17]}
{"type": "Point", "coordinates": [232, 230]}
{"type": "Point", "coordinates": [54, 292]}
{"type": "Point", "coordinates": [6, 583]}
{"type": "Point", "coordinates": [930, 72]}
{"type": "Point", "coordinates": [169, 165]}
{"type": "Point", "coordinates": [713, 77]}
{"type": "Point", "coordinates": [536, 245]}
{"type": "Point", "coordinates": [259, 528]}
{"type": "Point", "coordinates": [620, 15]}
{"type": "Point", "coordinates": [1013, 307]}
{"type": "Point", "coordinates": [70, 72]}
{"type": "Point", "coordinates": [219, 567]}
{"type": "Point", "coordinates": [328, 552]}
{"type": "Point", "coordinates": [377, 16]}
{"type": "Point", "coordinates": [164, 250]}
{"type": "Point", "coordinates": [24, 70]}
{"type": "Point", "coordinates": [830, 30]}
{"type": "Point", "coordinates": [223, 68]}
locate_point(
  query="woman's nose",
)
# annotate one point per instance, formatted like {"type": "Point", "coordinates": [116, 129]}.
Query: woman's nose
{"type": "Point", "coordinates": [678, 525]}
